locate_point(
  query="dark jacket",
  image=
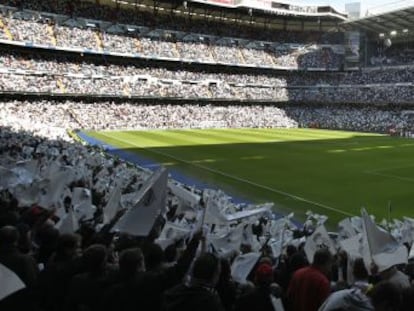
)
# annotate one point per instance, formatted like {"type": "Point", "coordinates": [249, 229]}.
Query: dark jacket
{"type": "Point", "coordinates": [258, 299]}
{"type": "Point", "coordinates": [54, 282]}
{"type": "Point", "coordinates": [25, 268]}
{"type": "Point", "coordinates": [85, 290]}
{"type": "Point", "coordinates": [144, 290]}
{"type": "Point", "coordinates": [23, 265]}
{"type": "Point", "coordinates": [190, 298]}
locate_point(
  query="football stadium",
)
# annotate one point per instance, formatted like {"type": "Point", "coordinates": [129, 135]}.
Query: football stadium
{"type": "Point", "coordinates": [209, 155]}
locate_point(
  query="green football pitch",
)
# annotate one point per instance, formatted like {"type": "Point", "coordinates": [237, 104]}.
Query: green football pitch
{"type": "Point", "coordinates": [330, 172]}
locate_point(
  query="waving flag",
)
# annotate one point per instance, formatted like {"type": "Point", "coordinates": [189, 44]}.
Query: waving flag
{"type": "Point", "coordinates": [150, 202]}
{"type": "Point", "coordinates": [10, 282]}
{"type": "Point", "coordinates": [384, 249]}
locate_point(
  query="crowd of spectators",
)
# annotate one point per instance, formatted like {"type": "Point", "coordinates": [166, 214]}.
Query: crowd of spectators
{"type": "Point", "coordinates": [55, 74]}
{"type": "Point", "coordinates": [110, 116]}
{"type": "Point", "coordinates": [61, 64]}
{"type": "Point", "coordinates": [127, 15]}
{"type": "Point", "coordinates": [155, 88]}
{"type": "Point", "coordinates": [399, 54]}
{"type": "Point", "coordinates": [43, 32]}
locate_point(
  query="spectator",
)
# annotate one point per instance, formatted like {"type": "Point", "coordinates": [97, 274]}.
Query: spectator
{"type": "Point", "coordinates": [309, 286]}
{"type": "Point", "coordinates": [54, 280]}
{"type": "Point", "coordinates": [23, 265]}
{"type": "Point", "coordinates": [395, 277]}
{"type": "Point", "coordinates": [85, 290]}
{"type": "Point", "coordinates": [386, 297]}
{"type": "Point", "coordinates": [354, 298]}
{"type": "Point", "coordinates": [124, 295]}
{"type": "Point", "coordinates": [261, 296]}
{"type": "Point", "coordinates": [226, 287]}
{"type": "Point", "coordinates": [199, 293]}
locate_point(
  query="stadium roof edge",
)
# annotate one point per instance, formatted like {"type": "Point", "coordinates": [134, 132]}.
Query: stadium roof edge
{"type": "Point", "coordinates": [277, 7]}
{"type": "Point", "coordinates": [269, 8]}
{"type": "Point", "coordinates": [400, 20]}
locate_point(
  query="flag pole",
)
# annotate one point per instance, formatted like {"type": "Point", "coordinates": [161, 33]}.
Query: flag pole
{"type": "Point", "coordinates": [389, 215]}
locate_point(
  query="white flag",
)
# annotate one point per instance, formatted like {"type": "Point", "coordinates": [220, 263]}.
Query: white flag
{"type": "Point", "coordinates": [8, 178]}
{"type": "Point", "coordinates": [383, 247]}
{"type": "Point", "coordinates": [243, 265]}
{"type": "Point", "coordinates": [171, 233]}
{"type": "Point", "coordinates": [228, 241]}
{"type": "Point", "coordinates": [54, 189]}
{"type": "Point", "coordinates": [276, 303]}
{"type": "Point", "coordinates": [319, 239]}
{"type": "Point", "coordinates": [174, 231]}
{"type": "Point", "coordinates": [26, 194]}
{"type": "Point", "coordinates": [114, 203]}
{"type": "Point", "coordinates": [214, 214]}
{"type": "Point", "coordinates": [10, 282]}
{"type": "Point", "coordinates": [189, 198]}
{"type": "Point", "coordinates": [346, 229]}
{"type": "Point", "coordinates": [82, 203]}
{"type": "Point", "coordinates": [407, 230]}
{"type": "Point", "coordinates": [249, 213]}
{"type": "Point", "coordinates": [69, 223]}
{"type": "Point", "coordinates": [411, 255]}
{"type": "Point", "coordinates": [150, 202]}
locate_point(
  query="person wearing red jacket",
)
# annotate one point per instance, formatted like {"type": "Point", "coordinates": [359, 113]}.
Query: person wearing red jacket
{"type": "Point", "coordinates": [310, 286]}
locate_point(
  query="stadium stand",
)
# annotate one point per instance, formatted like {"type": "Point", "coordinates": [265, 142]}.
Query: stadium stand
{"type": "Point", "coordinates": [66, 242]}
{"type": "Point", "coordinates": [35, 28]}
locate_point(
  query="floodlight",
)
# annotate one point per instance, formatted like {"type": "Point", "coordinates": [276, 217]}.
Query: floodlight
{"type": "Point", "coordinates": [405, 30]}
{"type": "Point", "coordinates": [393, 33]}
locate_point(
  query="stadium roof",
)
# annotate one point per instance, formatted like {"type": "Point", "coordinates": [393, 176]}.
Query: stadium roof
{"type": "Point", "coordinates": [398, 23]}
{"type": "Point", "coordinates": [237, 10]}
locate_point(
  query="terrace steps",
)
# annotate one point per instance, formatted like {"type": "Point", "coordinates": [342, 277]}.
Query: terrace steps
{"type": "Point", "coordinates": [61, 86]}
{"type": "Point", "coordinates": [52, 34]}
{"type": "Point", "coordinates": [6, 30]}
{"type": "Point", "coordinates": [212, 53]}
{"type": "Point", "coordinates": [138, 45]}
{"type": "Point", "coordinates": [242, 59]}
{"type": "Point", "coordinates": [126, 90]}
{"type": "Point", "coordinates": [75, 117]}
{"type": "Point", "coordinates": [175, 50]}
{"type": "Point", "coordinates": [99, 40]}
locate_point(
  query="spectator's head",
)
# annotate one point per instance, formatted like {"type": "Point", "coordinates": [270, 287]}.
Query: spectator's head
{"type": "Point", "coordinates": [47, 236]}
{"type": "Point", "coordinates": [9, 236]}
{"type": "Point", "coordinates": [385, 296]}
{"type": "Point", "coordinates": [407, 299]}
{"type": "Point", "coordinates": [131, 261]}
{"type": "Point", "coordinates": [290, 250]}
{"type": "Point", "coordinates": [94, 258]}
{"type": "Point", "coordinates": [323, 260]}
{"type": "Point", "coordinates": [206, 270]}
{"type": "Point", "coordinates": [154, 256]}
{"type": "Point", "coordinates": [263, 275]}
{"type": "Point", "coordinates": [170, 253]}
{"type": "Point", "coordinates": [68, 246]}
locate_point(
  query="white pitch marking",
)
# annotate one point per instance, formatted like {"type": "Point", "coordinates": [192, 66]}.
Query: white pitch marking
{"type": "Point", "coordinates": [391, 176]}
{"type": "Point", "coordinates": [382, 169]}
{"type": "Point", "coordinates": [236, 178]}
